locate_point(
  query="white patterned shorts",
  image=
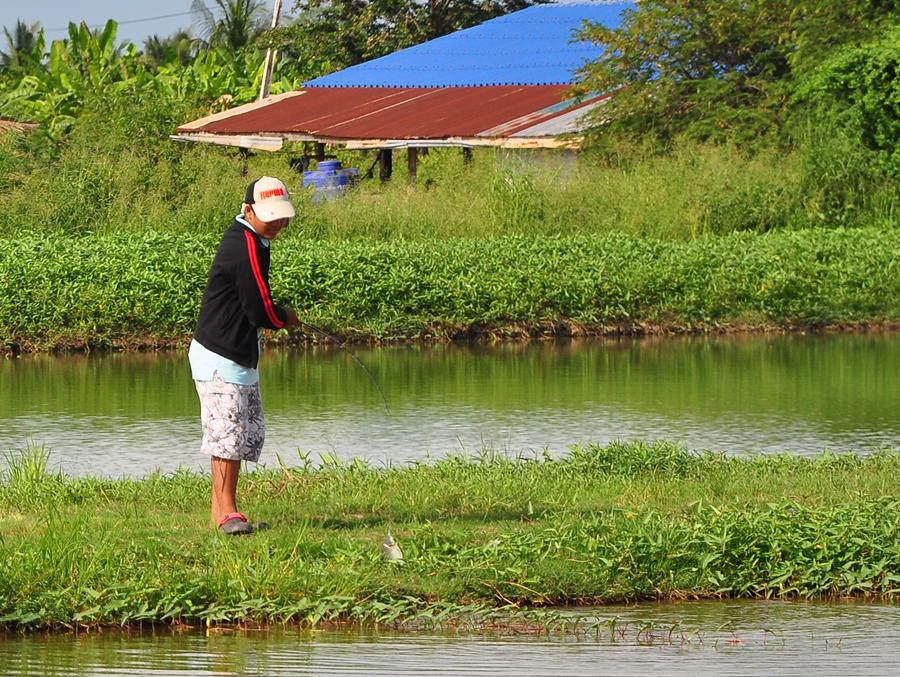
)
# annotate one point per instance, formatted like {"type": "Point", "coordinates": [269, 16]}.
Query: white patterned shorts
{"type": "Point", "coordinates": [231, 416]}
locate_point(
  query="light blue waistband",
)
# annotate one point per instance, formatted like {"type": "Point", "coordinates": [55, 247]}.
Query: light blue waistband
{"type": "Point", "coordinates": [205, 363]}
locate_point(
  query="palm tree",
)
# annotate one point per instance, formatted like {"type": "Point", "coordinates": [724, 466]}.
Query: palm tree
{"type": "Point", "coordinates": [241, 22]}
{"type": "Point", "coordinates": [179, 46]}
{"type": "Point", "coordinates": [20, 46]}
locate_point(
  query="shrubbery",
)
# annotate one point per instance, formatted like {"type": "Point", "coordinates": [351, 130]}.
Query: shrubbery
{"type": "Point", "coordinates": [122, 289]}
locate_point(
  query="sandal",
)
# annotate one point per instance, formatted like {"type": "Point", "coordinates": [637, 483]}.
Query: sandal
{"type": "Point", "coordinates": [235, 524]}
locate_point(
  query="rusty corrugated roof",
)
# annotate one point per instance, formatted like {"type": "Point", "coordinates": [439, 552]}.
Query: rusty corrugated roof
{"type": "Point", "coordinates": [503, 83]}
{"type": "Point", "coordinates": [363, 113]}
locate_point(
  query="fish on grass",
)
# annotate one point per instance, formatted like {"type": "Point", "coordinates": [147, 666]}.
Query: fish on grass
{"type": "Point", "coordinates": [390, 551]}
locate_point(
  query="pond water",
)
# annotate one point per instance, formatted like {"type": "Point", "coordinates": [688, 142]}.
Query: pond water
{"type": "Point", "coordinates": [128, 414]}
{"type": "Point", "coordinates": [696, 638]}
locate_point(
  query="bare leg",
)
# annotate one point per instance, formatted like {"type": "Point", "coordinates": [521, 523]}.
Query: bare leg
{"type": "Point", "coordinates": [224, 487]}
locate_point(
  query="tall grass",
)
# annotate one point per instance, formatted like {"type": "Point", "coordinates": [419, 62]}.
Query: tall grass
{"type": "Point", "coordinates": [621, 522]}
{"type": "Point", "coordinates": [119, 172]}
{"type": "Point", "coordinates": [694, 191]}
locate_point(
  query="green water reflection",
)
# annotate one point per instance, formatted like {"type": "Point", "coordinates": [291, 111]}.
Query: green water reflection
{"type": "Point", "coordinates": [771, 393]}
{"type": "Point", "coordinates": [708, 638]}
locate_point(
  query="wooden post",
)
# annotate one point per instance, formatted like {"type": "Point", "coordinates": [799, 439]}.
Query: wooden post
{"type": "Point", "coordinates": [412, 163]}
{"type": "Point", "coordinates": [467, 156]}
{"type": "Point", "coordinates": [270, 57]}
{"type": "Point", "coordinates": [320, 151]}
{"type": "Point", "coordinates": [386, 162]}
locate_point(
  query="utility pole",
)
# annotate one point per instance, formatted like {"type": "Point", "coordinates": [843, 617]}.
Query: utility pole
{"type": "Point", "coordinates": [270, 57]}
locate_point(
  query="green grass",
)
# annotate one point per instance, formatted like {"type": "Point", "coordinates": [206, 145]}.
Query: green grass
{"type": "Point", "coordinates": [122, 289]}
{"type": "Point", "coordinates": [603, 524]}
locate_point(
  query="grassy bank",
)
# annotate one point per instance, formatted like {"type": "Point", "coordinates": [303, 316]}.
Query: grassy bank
{"type": "Point", "coordinates": [122, 289]}
{"type": "Point", "coordinates": [603, 524]}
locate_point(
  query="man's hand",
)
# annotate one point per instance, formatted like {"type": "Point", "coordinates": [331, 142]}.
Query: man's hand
{"type": "Point", "coordinates": [292, 320]}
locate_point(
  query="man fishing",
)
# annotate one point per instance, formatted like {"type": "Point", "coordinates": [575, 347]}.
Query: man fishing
{"type": "Point", "coordinates": [224, 352]}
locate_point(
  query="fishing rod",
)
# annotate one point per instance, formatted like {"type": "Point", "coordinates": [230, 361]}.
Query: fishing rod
{"type": "Point", "coordinates": [343, 346]}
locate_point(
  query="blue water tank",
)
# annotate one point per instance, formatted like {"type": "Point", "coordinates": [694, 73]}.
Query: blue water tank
{"type": "Point", "coordinates": [329, 180]}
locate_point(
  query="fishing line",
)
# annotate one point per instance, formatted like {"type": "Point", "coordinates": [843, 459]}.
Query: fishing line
{"type": "Point", "coordinates": [343, 346]}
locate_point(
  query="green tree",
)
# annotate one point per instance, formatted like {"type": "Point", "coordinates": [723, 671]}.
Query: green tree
{"type": "Point", "coordinates": [714, 69]}
{"type": "Point", "coordinates": [24, 47]}
{"type": "Point", "coordinates": [238, 24]}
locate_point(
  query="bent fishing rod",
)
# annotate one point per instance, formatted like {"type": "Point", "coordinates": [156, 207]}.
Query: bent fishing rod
{"type": "Point", "coordinates": [343, 346]}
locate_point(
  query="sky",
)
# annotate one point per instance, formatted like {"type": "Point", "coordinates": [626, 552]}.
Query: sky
{"type": "Point", "coordinates": [144, 17]}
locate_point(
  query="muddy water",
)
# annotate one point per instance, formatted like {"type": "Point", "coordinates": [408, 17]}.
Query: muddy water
{"type": "Point", "coordinates": [708, 638]}
{"type": "Point", "coordinates": [130, 414]}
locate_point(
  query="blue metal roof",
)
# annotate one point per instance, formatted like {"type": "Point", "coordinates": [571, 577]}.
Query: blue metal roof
{"type": "Point", "coordinates": [531, 47]}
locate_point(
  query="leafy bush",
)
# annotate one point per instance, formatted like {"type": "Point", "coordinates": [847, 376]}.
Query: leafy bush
{"type": "Point", "coordinates": [860, 84]}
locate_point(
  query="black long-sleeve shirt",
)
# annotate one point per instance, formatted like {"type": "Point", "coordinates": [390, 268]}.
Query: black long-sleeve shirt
{"type": "Point", "coordinates": [237, 301]}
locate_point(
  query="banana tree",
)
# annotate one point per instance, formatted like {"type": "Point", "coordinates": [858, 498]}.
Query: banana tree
{"type": "Point", "coordinates": [84, 64]}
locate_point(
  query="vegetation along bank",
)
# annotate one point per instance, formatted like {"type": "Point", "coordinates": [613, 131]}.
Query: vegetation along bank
{"type": "Point", "coordinates": [626, 521]}
{"type": "Point", "coordinates": [126, 289]}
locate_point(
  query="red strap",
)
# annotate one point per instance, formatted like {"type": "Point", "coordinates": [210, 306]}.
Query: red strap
{"type": "Point", "coordinates": [231, 516]}
{"type": "Point", "coordinates": [261, 283]}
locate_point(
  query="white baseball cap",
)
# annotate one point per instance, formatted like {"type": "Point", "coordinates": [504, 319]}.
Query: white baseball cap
{"type": "Point", "coordinates": [270, 199]}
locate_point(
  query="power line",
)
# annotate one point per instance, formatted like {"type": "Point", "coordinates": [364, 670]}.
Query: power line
{"type": "Point", "coordinates": [122, 23]}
